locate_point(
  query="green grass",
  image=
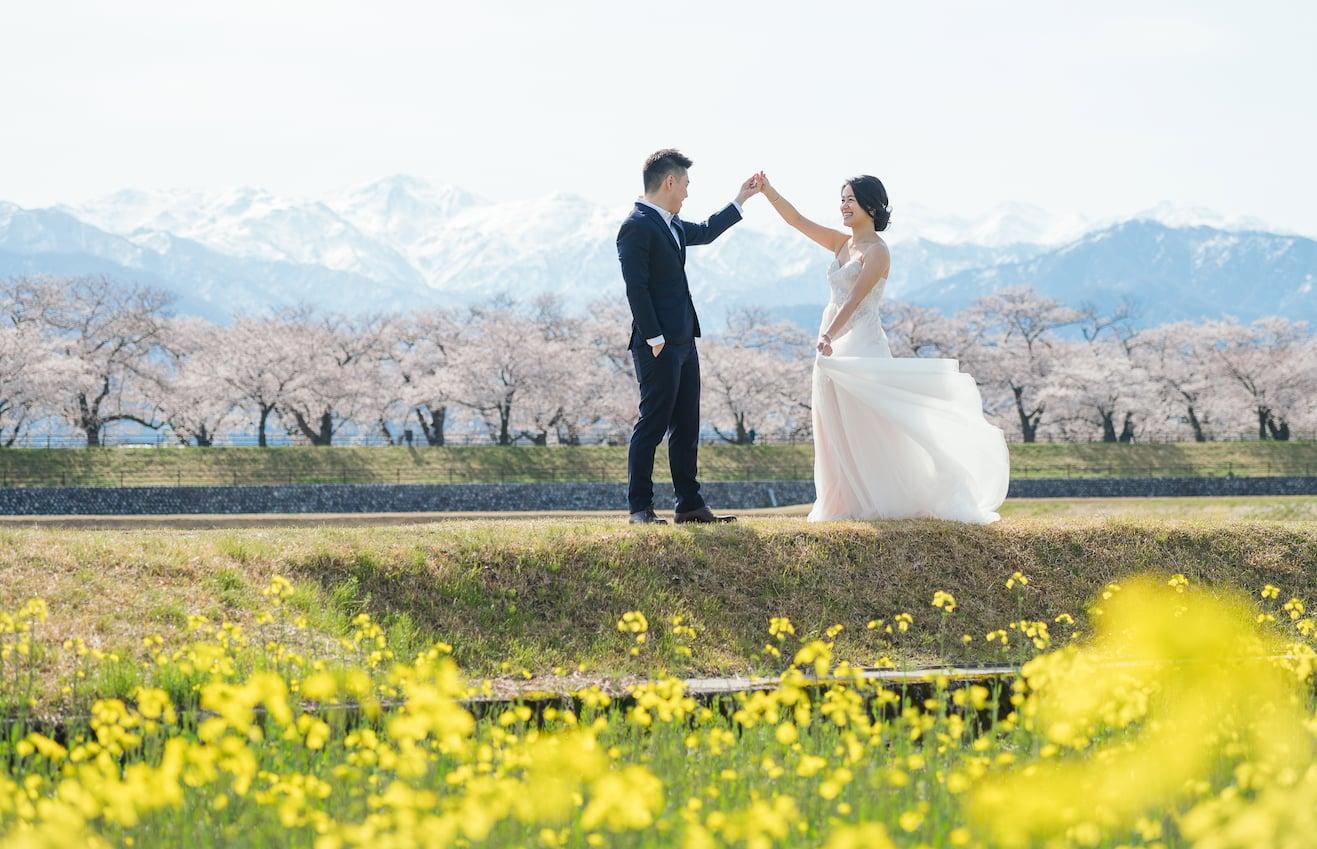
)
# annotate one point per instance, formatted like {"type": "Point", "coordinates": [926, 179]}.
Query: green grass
{"type": "Point", "coordinates": [1186, 694]}
{"type": "Point", "coordinates": [535, 595]}
{"type": "Point", "coordinates": [798, 765]}
{"type": "Point", "coordinates": [193, 466]}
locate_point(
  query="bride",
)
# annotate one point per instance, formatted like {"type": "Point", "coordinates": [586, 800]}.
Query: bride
{"type": "Point", "coordinates": [893, 437]}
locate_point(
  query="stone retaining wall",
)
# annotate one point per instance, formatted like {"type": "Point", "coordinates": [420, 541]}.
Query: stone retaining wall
{"type": "Point", "coordinates": [425, 498]}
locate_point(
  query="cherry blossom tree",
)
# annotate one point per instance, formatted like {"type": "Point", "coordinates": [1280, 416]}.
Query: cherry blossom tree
{"type": "Point", "coordinates": [1018, 328]}
{"type": "Point", "coordinates": [560, 400]}
{"type": "Point", "coordinates": [755, 377]}
{"type": "Point", "coordinates": [29, 366]}
{"type": "Point", "coordinates": [259, 366]}
{"type": "Point", "coordinates": [1100, 386]}
{"type": "Point", "coordinates": [503, 357]}
{"type": "Point", "coordinates": [1179, 359]}
{"type": "Point", "coordinates": [334, 374]}
{"type": "Point", "coordinates": [611, 376]}
{"type": "Point", "coordinates": [111, 336]}
{"type": "Point", "coordinates": [31, 372]}
{"type": "Point", "coordinates": [915, 331]}
{"type": "Point", "coordinates": [1269, 364]}
{"type": "Point", "coordinates": [194, 401]}
{"type": "Point", "coordinates": [422, 351]}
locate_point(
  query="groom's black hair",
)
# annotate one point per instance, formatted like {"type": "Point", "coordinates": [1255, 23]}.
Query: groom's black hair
{"type": "Point", "coordinates": [661, 163]}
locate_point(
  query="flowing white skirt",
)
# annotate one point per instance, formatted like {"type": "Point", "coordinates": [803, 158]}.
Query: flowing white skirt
{"type": "Point", "coordinates": [901, 437]}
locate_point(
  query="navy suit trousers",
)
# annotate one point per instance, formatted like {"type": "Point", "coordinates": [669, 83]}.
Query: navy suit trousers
{"type": "Point", "coordinates": [669, 404]}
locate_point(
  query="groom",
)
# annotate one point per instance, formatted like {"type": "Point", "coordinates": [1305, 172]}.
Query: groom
{"type": "Point", "coordinates": [652, 249]}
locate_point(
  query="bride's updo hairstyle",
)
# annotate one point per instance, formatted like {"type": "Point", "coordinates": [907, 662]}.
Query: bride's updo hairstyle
{"type": "Point", "coordinates": [872, 198]}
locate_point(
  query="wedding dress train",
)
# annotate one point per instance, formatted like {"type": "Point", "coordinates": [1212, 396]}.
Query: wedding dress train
{"type": "Point", "coordinates": [898, 437]}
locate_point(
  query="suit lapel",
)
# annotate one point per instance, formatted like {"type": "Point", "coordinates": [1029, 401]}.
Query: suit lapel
{"type": "Point", "coordinates": [658, 219]}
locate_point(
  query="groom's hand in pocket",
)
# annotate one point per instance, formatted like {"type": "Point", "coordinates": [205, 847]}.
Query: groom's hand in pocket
{"type": "Point", "coordinates": [657, 349]}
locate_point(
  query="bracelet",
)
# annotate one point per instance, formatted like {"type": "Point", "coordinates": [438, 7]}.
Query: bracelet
{"type": "Point", "coordinates": [825, 337]}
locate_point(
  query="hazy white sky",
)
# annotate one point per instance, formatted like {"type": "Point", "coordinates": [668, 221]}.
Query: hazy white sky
{"type": "Point", "coordinates": [955, 105]}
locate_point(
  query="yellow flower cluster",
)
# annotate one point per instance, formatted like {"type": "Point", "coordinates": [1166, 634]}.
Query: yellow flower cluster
{"type": "Point", "coordinates": [1179, 722]}
{"type": "Point", "coordinates": [633, 622]}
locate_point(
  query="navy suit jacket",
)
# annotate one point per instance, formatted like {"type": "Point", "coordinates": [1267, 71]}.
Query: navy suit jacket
{"type": "Point", "coordinates": [654, 268]}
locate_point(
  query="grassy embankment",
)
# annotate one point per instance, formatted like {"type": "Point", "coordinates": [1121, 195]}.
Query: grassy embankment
{"type": "Point", "coordinates": [179, 465]}
{"type": "Point", "coordinates": [531, 597]}
{"type": "Point", "coordinates": [1182, 721]}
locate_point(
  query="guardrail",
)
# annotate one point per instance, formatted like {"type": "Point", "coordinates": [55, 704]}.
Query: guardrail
{"type": "Point", "coordinates": [376, 440]}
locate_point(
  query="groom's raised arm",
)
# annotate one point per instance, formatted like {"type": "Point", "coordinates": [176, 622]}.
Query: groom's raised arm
{"type": "Point", "coordinates": [706, 231]}
{"type": "Point", "coordinates": [633, 253]}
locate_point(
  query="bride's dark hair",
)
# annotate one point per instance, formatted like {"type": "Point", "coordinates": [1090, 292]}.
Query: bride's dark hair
{"type": "Point", "coordinates": [872, 198]}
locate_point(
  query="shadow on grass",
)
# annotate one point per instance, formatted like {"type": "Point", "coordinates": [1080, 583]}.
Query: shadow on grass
{"type": "Point", "coordinates": [553, 599]}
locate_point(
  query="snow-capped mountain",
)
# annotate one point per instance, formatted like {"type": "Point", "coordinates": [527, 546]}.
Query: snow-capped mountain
{"type": "Point", "coordinates": [400, 242]}
{"type": "Point", "coordinates": [205, 281]}
{"type": "Point", "coordinates": [1001, 226]}
{"type": "Point", "coordinates": [1173, 273]}
{"type": "Point", "coordinates": [1178, 216]}
{"type": "Point", "coordinates": [251, 224]}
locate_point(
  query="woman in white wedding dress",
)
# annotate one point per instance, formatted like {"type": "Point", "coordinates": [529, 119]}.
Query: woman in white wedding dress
{"type": "Point", "coordinates": [893, 437]}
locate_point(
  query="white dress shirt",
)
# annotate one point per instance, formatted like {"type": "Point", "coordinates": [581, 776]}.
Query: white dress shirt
{"type": "Point", "coordinates": [676, 237]}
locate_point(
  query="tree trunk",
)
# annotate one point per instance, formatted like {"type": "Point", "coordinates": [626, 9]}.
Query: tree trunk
{"type": "Point", "coordinates": [1199, 436]}
{"type": "Point", "coordinates": [322, 437]}
{"type": "Point", "coordinates": [1108, 426]}
{"type": "Point", "coordinates": [1028, 421]}
{"type": "Point", "coordinates": [89, 422]}
{"type": "Point", "coordinates": [1127, 429]}
{"type": "Point", "coordinates": [1278, 428]}
{"type": "Point", "coordinates": [434, 429]}
{"type": "Point", "coordinates": [568, 434]}
{"type": "Point", "coordinates": [326, 428]}
{"type": "Point", "coordinates": [742, 434]}
{"type": "Point", "coordinates": [504, 417]}
{"type": "Point", "coordinates": [1263, 415]}
{"type": "Point", "coordinates": [388, 437]}
{"type": "Point", "coordinates": [266, 409]}
{"type": "Point", "coordinates": [205, 439]}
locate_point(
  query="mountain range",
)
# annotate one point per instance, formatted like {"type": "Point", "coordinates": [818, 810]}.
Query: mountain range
{"type": "Point", "coordinates": [400, 243]}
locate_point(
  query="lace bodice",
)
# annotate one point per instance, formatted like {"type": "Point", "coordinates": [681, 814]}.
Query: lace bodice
{"type": "Point", "coordinates": [841, 279]}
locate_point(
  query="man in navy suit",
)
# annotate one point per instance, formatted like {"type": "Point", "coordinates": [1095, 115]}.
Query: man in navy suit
{"type": "Point", "coordinates": [652, 249]}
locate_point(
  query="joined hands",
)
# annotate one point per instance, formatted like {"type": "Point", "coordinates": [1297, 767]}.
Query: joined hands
{"type": "Point", "coordinates": [749, 188]}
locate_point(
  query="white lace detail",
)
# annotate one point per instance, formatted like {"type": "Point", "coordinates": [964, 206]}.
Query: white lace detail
{"type": "Point", "coordinates": [841, 279]}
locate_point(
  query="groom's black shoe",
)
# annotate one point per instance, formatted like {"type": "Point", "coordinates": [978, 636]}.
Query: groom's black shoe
{"type": "Point", "coordinates": [647, 517]}
{"type": "Point", "coordinates": [703, 515]}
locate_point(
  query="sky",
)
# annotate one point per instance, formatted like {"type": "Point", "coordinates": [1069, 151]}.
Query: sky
{"type": "Point", "coordinates": [1097, 109]}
